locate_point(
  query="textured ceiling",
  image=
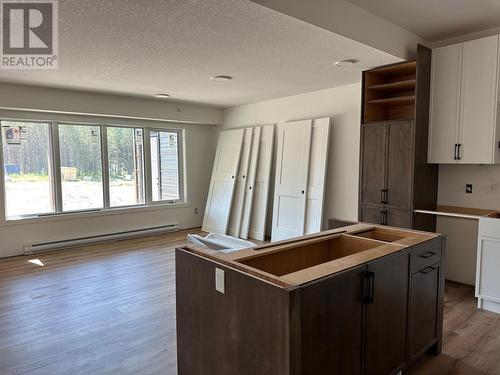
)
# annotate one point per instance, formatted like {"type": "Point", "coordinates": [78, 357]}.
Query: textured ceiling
{"type": "Point", "coordinates": [435, 20]}
{"type": "Point", "coordinates": [143, 47]}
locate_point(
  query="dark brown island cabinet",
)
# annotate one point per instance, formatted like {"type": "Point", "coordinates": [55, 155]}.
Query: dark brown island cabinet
{"type": "Point", "coordinates": [363, 299]}
{"type": "Point", "coordinates": [395, 178]}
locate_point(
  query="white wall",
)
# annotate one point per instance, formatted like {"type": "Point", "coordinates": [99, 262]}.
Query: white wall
{"type": "Point", "coordinates": [199, 153]}
{"type": "Point", "coordinates": [342, 104]}
{"type": "Point", "coordinates": [485, 180]}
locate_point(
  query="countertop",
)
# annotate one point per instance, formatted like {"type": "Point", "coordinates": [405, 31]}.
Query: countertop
{"type": "Point", "coordinates": [398, 240]}
{"type": "Point", "coordinates": [461, 212]}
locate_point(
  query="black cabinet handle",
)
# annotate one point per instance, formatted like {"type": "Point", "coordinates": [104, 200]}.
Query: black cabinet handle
{"type": "Point", "coordinates": [383, 196]}
{"type": "Point", "coordinates": [368, 287]}
{"type": "Point", "coordinates": [458, 153]}
{"type": "Point", "coordinates": [427, 255]}
{"type": "Point", "coordinates": [383, 217]}
{"type": "Point", "coordinates": [455, 157]}
{"type": "Point", "coordinates": [428, 269]}
{"type": "Point", "coordinates": [302, 192]}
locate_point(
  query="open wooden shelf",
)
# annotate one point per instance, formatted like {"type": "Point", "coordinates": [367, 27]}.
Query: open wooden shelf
{"type": "Point", "coordinates": [389, 92]}
{"type": "Point", "coordinates": [396, 86]}
{"type": "Point", "coordinates": [399, 69]}
{"type": "Point", "coordinates": [396, 100]}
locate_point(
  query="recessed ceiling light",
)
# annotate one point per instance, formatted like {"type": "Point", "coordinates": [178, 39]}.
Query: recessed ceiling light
{"type": "Point", "coordinates": [162, 96]}
{"type": "Point", "coordinates": [221, 78]}
{"type": "Point", "coordinates": [346, 63]}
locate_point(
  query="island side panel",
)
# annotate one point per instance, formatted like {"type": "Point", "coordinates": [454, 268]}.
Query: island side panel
{"type": "Point", "coordinates": [243, 331]}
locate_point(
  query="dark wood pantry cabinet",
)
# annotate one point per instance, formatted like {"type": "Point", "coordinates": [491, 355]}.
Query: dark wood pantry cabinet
{"type": "Point", "coordinates": [395, 178]}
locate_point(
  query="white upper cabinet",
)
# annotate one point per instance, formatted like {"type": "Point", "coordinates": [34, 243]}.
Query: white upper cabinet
{"type": "Point", "coordinates": [464, 94]}
{"type": "Point", "coordinates": [445, 103]}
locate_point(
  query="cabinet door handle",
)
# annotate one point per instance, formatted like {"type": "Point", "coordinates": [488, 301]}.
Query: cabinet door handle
{"type": "Point", "coordinates": [383, 196]}
{"type": "Point", "coordinates": [383, 217]}
{"type": "Point", "coordinates": [459, 157]}
{"type": "Point", "coordinates": [427, 270]}
{"type": "Point", "coordinates": [368, 287]}
{"type": "Point", "coordinates": [455, 156]}
{"type": "Point", "coordinates": [427, 254]}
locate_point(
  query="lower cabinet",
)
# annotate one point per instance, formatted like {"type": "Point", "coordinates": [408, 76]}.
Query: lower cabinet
{"type": "Point", "coordinates": [356, 322]}
{"type": "Point", "coordinates": [386, 315]}
{"type": "Point", "coordinates": [425, 303]}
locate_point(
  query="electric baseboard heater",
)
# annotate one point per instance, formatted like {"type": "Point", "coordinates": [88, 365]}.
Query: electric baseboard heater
{"type": "Point", "coordinates": [34, 248]}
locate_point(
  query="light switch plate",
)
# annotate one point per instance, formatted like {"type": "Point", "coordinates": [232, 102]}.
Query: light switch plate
{"type": "Point", "coordinates": [220, 284]}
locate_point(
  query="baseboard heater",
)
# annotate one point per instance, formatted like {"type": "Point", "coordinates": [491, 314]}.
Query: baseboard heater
{"type": "Point", "coordinates": [34, 248]}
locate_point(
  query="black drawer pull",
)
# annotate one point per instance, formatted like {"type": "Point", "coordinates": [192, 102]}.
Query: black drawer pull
{"type": "Point", "coordinates": [427, 255]}
{"type": "Point", "coordinates": [427, 270]}
{"type": "Point", "coordinates": [368, 287]}
{"type": "Point", "coordinates": [384, 196]}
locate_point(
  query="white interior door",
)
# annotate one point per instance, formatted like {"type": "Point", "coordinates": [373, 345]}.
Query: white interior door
{"type": "Point", "coordinates": [258, 216]}
{"type": "Point", "coordinates": [317, 175]}
{"type": "Point", "coordinates": [479, 101]}
{"type": "Point", "coordinates": [292, 165]}
{"type": "Point", "coordinates": [220, 194]}
{"type": "Point", "coordinates": [239, 189]}
{"type": "Point", "coordinates": [250, 183]}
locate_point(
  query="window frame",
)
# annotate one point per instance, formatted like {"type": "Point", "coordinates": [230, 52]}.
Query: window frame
{"type": "Point", "coordinates": [55, 171]}
{"type": "Point", "coordinates": [145, 162]}
{"type": "Point", "coordinates": [53, 183]}
{"type": "Point", "coordinates": [180, 162]}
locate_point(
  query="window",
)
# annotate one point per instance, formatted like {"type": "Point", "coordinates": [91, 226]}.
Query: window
{"type": "Point", "coordinates": [126, 166]}
{"type": "Point", "coordinates": [26, 165]}
{"type": "Point", "coordinates": [81, 167]}
{"type": "Point", "coordinates": [165, 161]}
{"type": "Point", "coordinates": [52, 168]}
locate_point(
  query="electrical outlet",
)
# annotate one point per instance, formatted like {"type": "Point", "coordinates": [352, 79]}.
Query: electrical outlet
{"type": "Point", "coordinates": [220, 284]}
{"type": "Point", "coordinates": [468, 188]}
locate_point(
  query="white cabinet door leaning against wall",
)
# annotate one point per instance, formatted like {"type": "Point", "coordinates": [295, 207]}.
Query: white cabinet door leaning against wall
{"type": "Point", "coordinates": [220, 194]}
{"type": "Point", "coordinates": [237, 202]}
{"type": "Point", "coordinates": [300, 178]}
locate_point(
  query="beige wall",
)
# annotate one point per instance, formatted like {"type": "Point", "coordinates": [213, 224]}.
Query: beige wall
{"type": "Point", "coordinates": [199, 154]}
{"type": "Point", "coordinates": [342, 104]}
{"type": "Point", "coordinates": [485, 180]}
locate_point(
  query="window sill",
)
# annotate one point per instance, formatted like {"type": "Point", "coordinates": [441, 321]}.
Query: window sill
{"type": "Point", "coordinates": [94, 213]}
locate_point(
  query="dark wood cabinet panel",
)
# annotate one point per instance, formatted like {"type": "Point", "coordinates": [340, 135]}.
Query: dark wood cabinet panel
{"type": "Point", "coordinates": [386, 316]}
{"type": "Point", "coordinates": [400, 164]}
{"type": "Point", "coordinates": [423, 310]}
{"type": "Point", "coordinates": [332, 325]}
{"type": "Point", "coordinates": [216, 335]}
{"type": "Point", "coordinates": [373, 163]}
{"type": "Point", "coordinates": [398, 218]}
{"type": "Point", "coordinates": [368, 214]}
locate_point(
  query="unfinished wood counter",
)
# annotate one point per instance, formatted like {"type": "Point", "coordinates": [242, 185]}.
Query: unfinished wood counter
{"type": "Point", "coordinates": [334, 302]}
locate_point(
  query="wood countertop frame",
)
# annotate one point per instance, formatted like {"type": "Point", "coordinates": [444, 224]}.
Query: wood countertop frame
{"type": "Point", "coordinates": [235, 260]}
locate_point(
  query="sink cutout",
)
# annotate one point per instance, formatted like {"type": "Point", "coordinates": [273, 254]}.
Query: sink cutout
{"type": "Point", "coordinates": [380, 234]}
{"type": "Point", "coordinates": [294, 259]}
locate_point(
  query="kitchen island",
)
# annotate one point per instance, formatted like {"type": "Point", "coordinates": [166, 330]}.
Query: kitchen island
{"type": "Point", "coordinates": [362, 299]}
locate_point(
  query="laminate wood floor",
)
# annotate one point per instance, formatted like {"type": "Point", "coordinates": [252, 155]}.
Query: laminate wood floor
{"type": "Point", "coordinates": [110, 309]}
